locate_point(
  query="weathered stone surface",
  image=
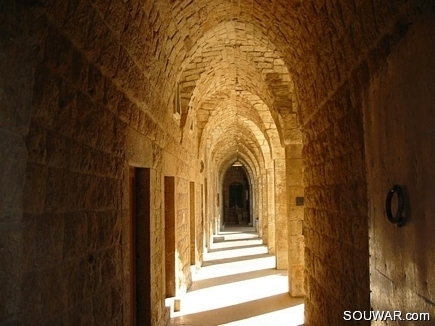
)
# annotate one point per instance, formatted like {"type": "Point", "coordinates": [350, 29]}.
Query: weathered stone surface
{"type": "Point", "coordinates": [334, 197]}
{"type": "Point", "coordinates": [400, 259]}
{"type": "Point", "coordinates": [252, 77]}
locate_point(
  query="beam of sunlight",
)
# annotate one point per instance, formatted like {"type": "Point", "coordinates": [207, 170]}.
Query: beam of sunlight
{"type": "Point", "coordinates": [239, 286]}
{"type": "Point", "coordinates": [240, 252]}
{"type": "Point", "coordinates": [291, 316]}
{"type": "Point", "coordinates": [233, 293]}
{"type": "Point", "coordinates": [278, 309]}
{"type": "Point", "coordinates": [225, 279]}
{"type": "Point", "coordinates": [238, 267]}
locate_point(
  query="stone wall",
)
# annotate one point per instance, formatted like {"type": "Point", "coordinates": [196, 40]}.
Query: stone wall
{"type": "Point", "coordinates": [399, 124]}
{"type": "Point", "coordinates": [281, 215]}
{"type": "Point", "coordinates": [86, 92]}
{"type": "Point", "coordinates": [336, 252]}
{"type": "Point", "coordinates": [89, 123]}
{"type": "Point", "coordinates": [296, 245]}
{"type": "Point", "coordinates": [199, 218]}
{"type": "Point", "coordinates": [184, 279]}
{"type": "Point", "coordinates": [336, 214]}
{"type": "Point", "coordinates": [74, 204]}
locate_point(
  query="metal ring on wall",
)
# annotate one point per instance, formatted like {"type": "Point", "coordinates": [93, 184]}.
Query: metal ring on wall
{"type": "Point", "coordinates": [397, 218]}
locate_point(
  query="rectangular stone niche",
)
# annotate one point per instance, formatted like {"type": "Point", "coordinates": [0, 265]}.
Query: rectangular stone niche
{"type": "Point", "coordinates": [299, 201]}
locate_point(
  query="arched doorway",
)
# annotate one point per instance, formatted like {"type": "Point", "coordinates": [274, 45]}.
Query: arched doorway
{"type": "Point", "coordinates": [236, 195]}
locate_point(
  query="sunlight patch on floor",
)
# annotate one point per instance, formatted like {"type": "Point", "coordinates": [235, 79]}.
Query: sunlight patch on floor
{"type": "Point", "coordinates": [239, 285]}
{"type": "Point", "coordinates": [239, 252]}
{"type": "Point", "coordinates": [234, 268]}
{"type": "Point", "coordinates": [292, 316]}
{"type": "Point", "coordinates": [234, 293]}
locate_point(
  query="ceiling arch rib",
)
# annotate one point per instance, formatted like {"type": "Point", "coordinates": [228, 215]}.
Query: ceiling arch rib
{"type": "Point", "coordinates": [201, 18]}
{"type": "Point", "coordinates": [219, 90]}
{"type": "Point", "coordinates": [195, 88]}
{"type": "Point", "coordinates": [232, 66]}
{"type": "Point", "coordinates": [200, 23]}
{"type": "Point", "coordinates": [230, 56]}
{"type": "Point", "coordinates": [237, 145]}
{"type": "Point", "coordinates": [274, 92]}
{"type": "Point", "coordinates": [226, 154]}
{"type": "Point", "coordinates": [220, 72]}
{"type": "Point", "coordinates": [234, 113]}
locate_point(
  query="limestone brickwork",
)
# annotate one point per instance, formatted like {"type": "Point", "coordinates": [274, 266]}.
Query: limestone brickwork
{"type": "Point", "coordinates": [296, 90]}
{"type": "Point", "coordinates": [334, 154]}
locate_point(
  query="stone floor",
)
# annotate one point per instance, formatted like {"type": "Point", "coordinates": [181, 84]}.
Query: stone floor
{"type": "Point", "coordinates": [238, 285]}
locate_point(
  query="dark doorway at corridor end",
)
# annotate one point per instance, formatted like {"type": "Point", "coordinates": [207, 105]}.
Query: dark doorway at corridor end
{"type": "Point", "coordinates": [236, 190]}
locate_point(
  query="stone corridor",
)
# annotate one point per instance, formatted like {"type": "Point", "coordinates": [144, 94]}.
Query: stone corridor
{"type": "Point", "coordinates": [133, 131]}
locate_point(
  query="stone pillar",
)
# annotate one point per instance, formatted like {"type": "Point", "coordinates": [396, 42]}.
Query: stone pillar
{"type": "Point", "coordinates": [281, 239]}
{"type": "Point", "coordinates": [252, 203]}
{"type": "Point", "coordinates": [199, 236]}
{"type": "Point", "coordinates": [295, 194]}
{"type": "Point", "coordinates": [208, 228]}
{"type": "Point", "coordinates": [192, 222]}
{"type": "Point", "coordinates": [262, 208]}
{"type": "Point", "coordinates": [17, 66]}
{"type": "Point", "coordinates": [270, 199]}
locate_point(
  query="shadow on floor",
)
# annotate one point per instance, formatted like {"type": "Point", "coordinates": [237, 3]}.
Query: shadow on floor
{"type": "Point", "coordinates": [239, 285]}
{"type": "Point", "coordinates": [217, 281]}
{"type": "Point", "coordinates": [234, 259]}
{"type": "Point", "coordinates": [236, 247]}
{"type": "Point", "coordinates": [244, 313]}
{"type": "Point", "coordinates": [229, 240]}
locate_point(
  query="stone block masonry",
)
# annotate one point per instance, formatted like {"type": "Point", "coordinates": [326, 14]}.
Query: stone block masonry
{"type": "Point", "coordinates": [302, 92]}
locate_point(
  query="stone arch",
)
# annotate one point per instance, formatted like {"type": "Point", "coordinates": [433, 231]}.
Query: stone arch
{"type": "Point", "coordinates": [221, 55]}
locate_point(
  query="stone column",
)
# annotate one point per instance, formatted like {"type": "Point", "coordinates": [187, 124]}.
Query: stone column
{"type": "Point", "coordinates": [208, 228]}
{"type": "Point", "coordinates": [262, 208]}
{"type": "Point", "coordinates": [281, 212]}
{"type": "Point", "coordinates": [270, 198]}
{"type": "Point", "coordinates": [17, 66]}
{"type": "Point", "coordinates": [295, 194]}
